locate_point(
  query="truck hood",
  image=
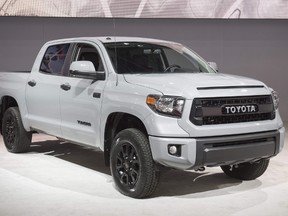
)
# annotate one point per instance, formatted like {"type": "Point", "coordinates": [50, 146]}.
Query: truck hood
{"type": "Point", "coordinates": [189, 84]}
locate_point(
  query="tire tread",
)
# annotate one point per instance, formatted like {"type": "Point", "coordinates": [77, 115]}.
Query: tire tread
{"type": "Point", "coordinates": [152, 176]}
{"type": "Point", "coordinates": [23, 141]}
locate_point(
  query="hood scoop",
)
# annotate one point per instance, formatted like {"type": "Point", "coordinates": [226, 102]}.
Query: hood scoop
{"type": "Point", "coordinates": [230, 87]}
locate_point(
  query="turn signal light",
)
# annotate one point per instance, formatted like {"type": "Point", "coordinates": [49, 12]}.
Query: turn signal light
{"type": "Point", "coordinates": [151, 100]}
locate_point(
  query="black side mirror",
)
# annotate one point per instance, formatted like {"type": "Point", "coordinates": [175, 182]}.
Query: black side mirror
{"type": "Point", "coordinates": [100, 75]}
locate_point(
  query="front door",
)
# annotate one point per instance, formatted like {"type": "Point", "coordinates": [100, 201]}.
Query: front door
{"type": "Point", "coordinates": [81, 98]}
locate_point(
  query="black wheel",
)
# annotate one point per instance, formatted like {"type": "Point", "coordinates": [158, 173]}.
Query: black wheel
{"type": "Point", "coordinates": [132, 165]}
{"type": "Point", "coordinates": [16, 138]}
{"type": "Point", "coordinates": [246, 171]}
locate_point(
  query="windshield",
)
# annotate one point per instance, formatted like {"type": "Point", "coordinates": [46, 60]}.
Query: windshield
{"type": "Point", "coordinates": [138, 58]}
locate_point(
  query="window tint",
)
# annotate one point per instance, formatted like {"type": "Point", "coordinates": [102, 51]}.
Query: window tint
{"type": "Point", "coordinates": [86, 52]}
{"type": "Point", "coordinates": [175, 58]}
{"type": "Point", "coordinates": [54, 59]}
{"type": "Point", "coordinates": [137, 57]}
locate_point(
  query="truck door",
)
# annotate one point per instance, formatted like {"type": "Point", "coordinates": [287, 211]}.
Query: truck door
{"type": "Point", "coordinates": [80, 99]}
{"type": "Point", "coordinates": [43, 89]}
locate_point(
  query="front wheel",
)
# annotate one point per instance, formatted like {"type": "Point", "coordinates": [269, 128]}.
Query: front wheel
{"type": "Point", "coordinates": [246, 171]}
{"type": "Point", "coordinates": [132, 165]}
{"type": "Point", "coordinates": [16, 138]}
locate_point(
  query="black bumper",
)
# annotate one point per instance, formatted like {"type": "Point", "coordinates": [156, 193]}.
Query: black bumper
{"type": "Point", "coordinates": [228, 150]}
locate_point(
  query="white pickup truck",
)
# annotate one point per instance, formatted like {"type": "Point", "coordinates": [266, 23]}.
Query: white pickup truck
{"type": "Point", "coordinates": [148, 104]}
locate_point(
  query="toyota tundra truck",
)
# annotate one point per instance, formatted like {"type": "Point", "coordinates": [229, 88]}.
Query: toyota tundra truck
{"type": "Point", "coordinates": [147, 104]}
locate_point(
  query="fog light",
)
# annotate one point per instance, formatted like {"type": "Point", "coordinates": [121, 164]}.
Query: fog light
{"type": "Point", "coordinates": [174, 150]}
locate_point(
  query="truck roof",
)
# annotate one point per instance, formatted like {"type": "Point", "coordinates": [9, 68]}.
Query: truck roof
{"type": "Point", "coordinates": [110, 39]}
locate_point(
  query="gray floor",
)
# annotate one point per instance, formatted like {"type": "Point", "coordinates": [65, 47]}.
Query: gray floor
{"type": "Point", "coordinates": [64, 179]}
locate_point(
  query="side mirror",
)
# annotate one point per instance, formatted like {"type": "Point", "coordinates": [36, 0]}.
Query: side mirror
{"type": "Point", "coordinates": [213, 65]}
{"type": "Point", "coordinates": [86, 69]}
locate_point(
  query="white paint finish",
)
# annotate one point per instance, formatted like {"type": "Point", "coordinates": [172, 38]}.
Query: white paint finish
{"type": "Point", "coordinates": [13, 84]}
{"type": "Point", "coordinates": [159, 150]}
{"type": "Point", "coordinates": [85, 66]}
{"type": "Point", "coordinates": [78, 104]}
{"type": "Point", "coordinates": [43, 102]}
{"type": "Point", "coordinates": [186, 84]}
{"type": "Point", "coordinates": [75, 115]}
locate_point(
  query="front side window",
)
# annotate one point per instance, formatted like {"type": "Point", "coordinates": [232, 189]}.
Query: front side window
{"type": "Point", "coordinates": [54, 58]}
{"type": "Point", "coordinates": [87, 52]}
{"type": "Point", "coordinates": [139, 57]}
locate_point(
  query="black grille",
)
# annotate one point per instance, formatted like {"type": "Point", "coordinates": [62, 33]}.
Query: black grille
{"type": "Point", "coordinates": [242, 142]}
{"type": "Point", "coordinates": [209, 111]}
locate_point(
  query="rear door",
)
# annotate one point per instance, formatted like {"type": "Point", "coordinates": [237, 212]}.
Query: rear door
{"type": "Point", "coordinates": [81, 99]}
{"type": "Point", "coordinates": [43, 89]}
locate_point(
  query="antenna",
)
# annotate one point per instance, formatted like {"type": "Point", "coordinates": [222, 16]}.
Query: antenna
{"type": "Point", "coordinates": [115, 49]}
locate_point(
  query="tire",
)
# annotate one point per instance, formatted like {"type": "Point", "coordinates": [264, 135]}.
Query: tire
{"type": "Point", "coordinates": [16, 138]}
{"type": "Point", "coordinates": [132, 165]}
{"type": "Point", "coordinates": [246, 171]}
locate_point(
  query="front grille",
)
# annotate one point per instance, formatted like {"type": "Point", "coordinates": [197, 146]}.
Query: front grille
{"type": "Point", "coordinates": [211, 111]}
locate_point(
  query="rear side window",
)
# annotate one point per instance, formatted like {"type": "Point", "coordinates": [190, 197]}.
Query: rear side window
{"type": "Point", "coordinates": [54, 58]}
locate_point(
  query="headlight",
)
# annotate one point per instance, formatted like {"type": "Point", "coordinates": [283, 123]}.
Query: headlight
{"type": "Point", "coordinates": [275, 98]}
{"type": "Point", "coordinates": [167, 105]}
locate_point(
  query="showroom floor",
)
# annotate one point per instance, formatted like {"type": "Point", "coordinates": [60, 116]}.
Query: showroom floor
{"type": "Point", "coordinates": [58, 178]}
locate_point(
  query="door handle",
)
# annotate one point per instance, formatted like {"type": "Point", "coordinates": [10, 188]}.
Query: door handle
{"type": "Point", "coordinates": [96, 95]}
{"type": "Point", "coordinates": [66, 86]}
{"type": "Point", "coordinates": [32, 83]}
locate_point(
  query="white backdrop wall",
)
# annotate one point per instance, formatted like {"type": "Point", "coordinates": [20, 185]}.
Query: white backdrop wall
{"type": "Point", "coordinates": [254, 48]}
{"type": "Point", "coordinates": [243, 9]}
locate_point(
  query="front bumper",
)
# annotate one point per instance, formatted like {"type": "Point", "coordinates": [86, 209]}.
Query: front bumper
{"type": "Point", "coordinates": [218, 150]}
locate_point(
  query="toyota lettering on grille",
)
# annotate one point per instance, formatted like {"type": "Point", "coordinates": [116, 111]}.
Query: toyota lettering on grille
{"type": "Point", "coordinates": [238, 109]}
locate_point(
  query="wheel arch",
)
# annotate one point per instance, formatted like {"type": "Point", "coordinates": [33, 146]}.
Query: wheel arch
{"type": "Point", "coordinates": [115, 123]}
{"type": "Point", "coordinates": [6, 102]}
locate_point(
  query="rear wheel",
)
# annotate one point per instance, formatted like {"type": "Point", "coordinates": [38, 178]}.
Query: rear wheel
{"type": "Point", "coordinates": [246, 171]}
{"type": "Point", "coordinates": [16, 138]}
{"type": "Point", "coordinates": [132, 165]}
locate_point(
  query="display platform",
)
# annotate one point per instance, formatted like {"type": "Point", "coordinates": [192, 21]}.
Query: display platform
{"type": "Point", "coordinates": [59, 178]}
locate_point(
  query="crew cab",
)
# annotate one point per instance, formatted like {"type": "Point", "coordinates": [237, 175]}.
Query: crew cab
{"type": "Point", "coordinates": [147, 104]}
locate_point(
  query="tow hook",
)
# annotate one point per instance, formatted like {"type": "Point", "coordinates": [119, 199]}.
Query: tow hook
{"type": "Point", "coordinates": [200, 169]}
